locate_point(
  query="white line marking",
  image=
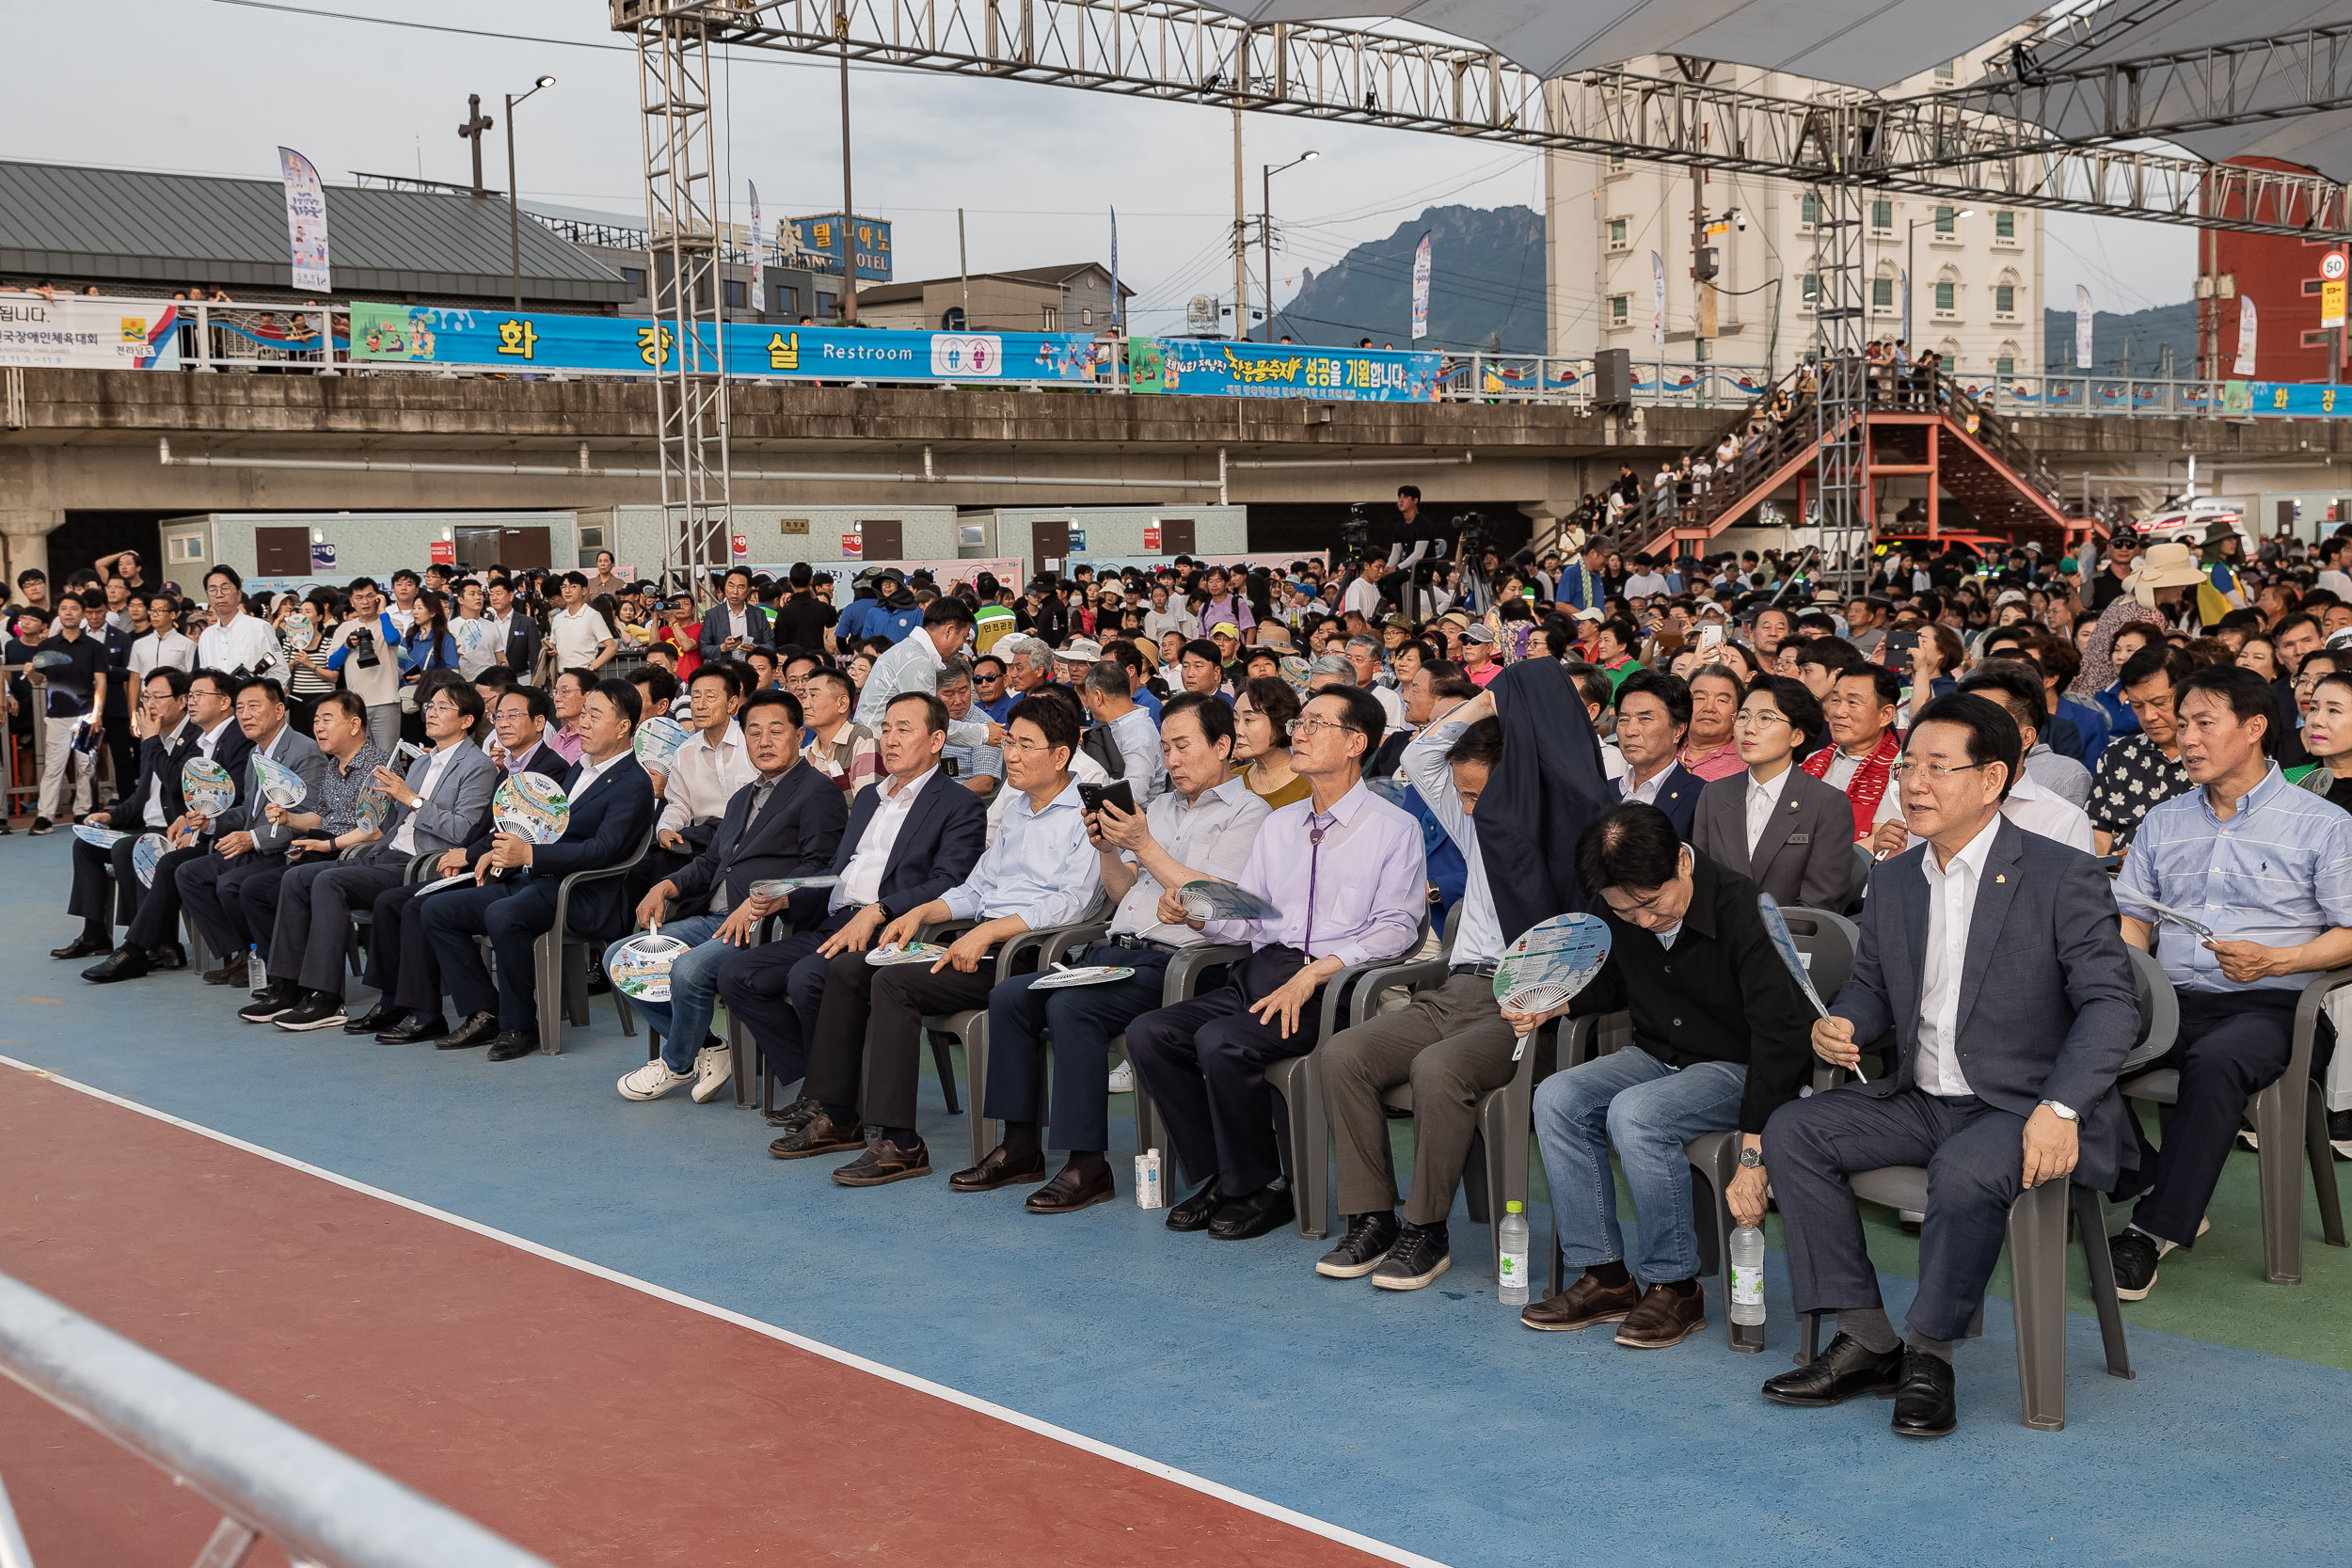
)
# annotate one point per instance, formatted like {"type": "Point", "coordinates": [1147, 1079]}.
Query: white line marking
{"type": "Point", "coordinates": [816, 1347]}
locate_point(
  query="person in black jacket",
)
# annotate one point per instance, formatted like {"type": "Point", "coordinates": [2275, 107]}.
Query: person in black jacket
{"type": "Point", "coordinates": [1722, 1039]}
{"type": "Point", "coordinates": [912, 835]}
{"type": "Point", "coordinates": [786, 822]}
{"type": "Point", "coordinates": [150, 804]}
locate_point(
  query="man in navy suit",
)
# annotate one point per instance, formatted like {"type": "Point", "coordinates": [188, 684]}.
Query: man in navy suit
{"type": "Point", "coordinates": [516, 643]}
{"type": "Point", "coordinates": [786, 822]}
{"type": "Point", "coordinates": [1653, 716]}
{"type": "Point", "coordinates": [911, 837]}
{"type": "Point", "coordinates": [401, 965]}
{"type": "Point", "coordinates": [735, 625]}
{"type": "Point", "coordinates": [150, 805]}
{"type": "Point", "coordinates": [1996, 1087]}
{"type": "Point", "coordinates": [611, 808]}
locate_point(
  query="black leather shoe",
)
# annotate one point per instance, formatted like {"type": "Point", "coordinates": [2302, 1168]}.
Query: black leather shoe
{"type": "Point", "coordinates": [1838, 1375]}
{"type": "Point", "coordinates": [82, 947]}
{"type": "Point", "coordinates": [998, 1169]}
{"type": "Point", "coordinates": [375, 1021]}
{"type": "Point", "coordinates": [477, 1029]}
{"type": "Point", "coordinates": [408, 1031]}
{"type": "Point", "coordinates": [170, 956]}
{"type": "Point", "coordinates": [883, 1162]}
{"type": "Point", "coordinates": [798, 1114]}
{"type": "Point", "coordinates": [600, 983]}
{"type": "Point", "coordinates": [1072, 1189]}
{"type": "Point", "coordinates": [1923, 1401]}
{"type": "Point", "coordinates": [1368, 1240]}
{"type": "Point", "coordinates": [820, 1135]}
{"type": "Point", "coordinates": [1195, 1212]}
{"type": "Point", "coordinates": [512, 1044]}
{"type": "Point", "coordinates": [1243, 1219]}
{"type": "Point", "coordinates": [125, 963]}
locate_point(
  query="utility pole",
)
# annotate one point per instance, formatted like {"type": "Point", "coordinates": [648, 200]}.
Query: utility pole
{"type": "Point", "coordinates": [1241, 242]}
{"type": "Point", "coordinates": [963, 272]}
{"type": "Point", "coordinates": [1265, 245]}
{"type": "Point", "coordinates": [849, 204]}
{"type": "Point", "coordinates": [1702, 279]}
{"type": "Point", "coordinates": [477, 125]}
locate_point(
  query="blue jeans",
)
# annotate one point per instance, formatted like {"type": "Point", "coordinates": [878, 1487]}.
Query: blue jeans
{"type": "Point", "coordinates": [684, 1021]}
{"type": "Point", "coordinates": [1648, 1110]}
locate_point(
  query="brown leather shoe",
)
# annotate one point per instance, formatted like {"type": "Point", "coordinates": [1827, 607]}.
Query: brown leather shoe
{"type": "Point", "coordinates": [1582, 1305]}
{"type": "Point", "coordinates": [886, 1162]}
{"type": "Point", "coordinates": [821, 1135]}
{"type": "Point", "coordinates": [231, 973]}
{"type": "Point", "coordinates": [1073, 1190]}
{"type": "Point", "coordinates": [1663, 1319]}
{"type": "Point", "coordinates": [998, 1169]}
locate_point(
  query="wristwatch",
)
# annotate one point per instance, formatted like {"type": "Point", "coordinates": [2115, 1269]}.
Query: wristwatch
{"type": "Point", "coordinates": [2064, 1111]}
{"type": "Point", "coordinates": [1751, 1159]}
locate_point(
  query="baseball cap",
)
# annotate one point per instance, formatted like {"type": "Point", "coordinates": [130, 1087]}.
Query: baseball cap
{"type": "Point", "coordinates": [1226, 628]}
{"type": "Point", "coordinates": [1477, 634]}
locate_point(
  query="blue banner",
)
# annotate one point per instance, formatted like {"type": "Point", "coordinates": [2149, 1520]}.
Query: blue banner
{"type": "Point", "coordinates": [505, 340]}
{"type": "Point", "coordinates": [822, 236]}
{"type": "Point", "coordinates": [2303, 400]}
{"type": "Point", "coordinates": [1219, 368]}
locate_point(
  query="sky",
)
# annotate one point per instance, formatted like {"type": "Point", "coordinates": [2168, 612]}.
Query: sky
{"type": "Point", "coordinates": [217, 85]}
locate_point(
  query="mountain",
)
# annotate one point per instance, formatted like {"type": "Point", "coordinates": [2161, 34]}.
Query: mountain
{"type": "Point", "coordinates": [2141, 337]}
{"type": "Point", "coordinates": [1486, 285]}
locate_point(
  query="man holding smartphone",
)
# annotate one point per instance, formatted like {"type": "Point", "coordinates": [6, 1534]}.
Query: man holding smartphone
{"type": "Point", "coordinates": [1201, 828]}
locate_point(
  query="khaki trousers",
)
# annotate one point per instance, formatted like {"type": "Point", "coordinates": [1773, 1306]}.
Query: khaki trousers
{"type": "Point", "coordinates": [1450, 1044]}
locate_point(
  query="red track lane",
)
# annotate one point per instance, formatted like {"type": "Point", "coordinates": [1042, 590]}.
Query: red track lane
{"type": "Point", "coordinates": [584, 1420]}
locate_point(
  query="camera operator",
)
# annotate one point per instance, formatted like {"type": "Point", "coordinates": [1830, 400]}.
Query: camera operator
{"type": "Point", "coordinates": [367, 651]}
{"type": "Point", "coordinates": [1417, 557]}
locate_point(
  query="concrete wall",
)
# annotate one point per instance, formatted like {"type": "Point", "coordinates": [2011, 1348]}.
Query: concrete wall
{"type": "Point", "coordinates": [1110, 531]}
{"type": "Point", "coordinates": [366, 544]}
{"type": "Point", "coordinates": [645, 541]}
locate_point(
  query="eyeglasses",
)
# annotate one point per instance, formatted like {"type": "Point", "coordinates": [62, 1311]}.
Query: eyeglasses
{"type": "Point", "coordinates": [1760, 716]}
{"type": "Point", "coordinates": [1297, 727]}
{"type": "Point", "coordinates": [1031, 748]}
{"type": "Point", "coordinates": [1904, 768]}
{"type": "Point", "coordinates": [436, 706]}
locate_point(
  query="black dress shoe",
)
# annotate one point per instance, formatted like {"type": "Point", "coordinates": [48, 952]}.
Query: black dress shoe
{"type": "Point", "coordinates": [82, 947]}
{"type": "Point", "coordinates": [1923, 1401]}
{"type": "Point", "coordinates": [512, 1044]}
{"type": "Point", "coordinates": [170, 956]}
{"type": "Point", "coordinates": [600, 983]}
{"type": "Point", "coordinates": [1243, 1219]}
{"type": "Point", "coordinates": [1195, 1212]}
{"type": "Point", "coordinates": [415, 1027]}
{"type": "Point", "coordinates": [820, 1135]}
{"type": "Point", "coordinates": [125, 963]}
{"type": "Point", "coordinates": [236, 972]}
{"type": "Point", "coordinates": [1072, 1189]}
{"type": "Point", "coordinates": [798, 1114]}
{"type": "Point", "coordinates": [476, 1029]}
{"type": "Point", "coordinates": [883, 1163]}
{"type": "Point", "coordinates": [375, 1021]}
{"type": "Point", "coordinates": [1838, 1375]}
{"type": "Point", "coordinates": [996, 1170]}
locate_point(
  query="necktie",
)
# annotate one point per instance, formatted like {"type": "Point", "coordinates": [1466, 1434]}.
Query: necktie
{"type": "Point", "coordinates": [1314, 864]}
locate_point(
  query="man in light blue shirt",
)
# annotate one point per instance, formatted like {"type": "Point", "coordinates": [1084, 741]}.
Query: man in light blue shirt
{"type": "Point", "coordinates": [1042, 871]}
{"type": "Point", "coordinates": [1130, 729]}
{"type": "Point", "coordinates": [2242, 887]}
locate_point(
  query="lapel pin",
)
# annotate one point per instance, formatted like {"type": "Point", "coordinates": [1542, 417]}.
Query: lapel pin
{"type": "Point", "coordinates": [1999, 879]}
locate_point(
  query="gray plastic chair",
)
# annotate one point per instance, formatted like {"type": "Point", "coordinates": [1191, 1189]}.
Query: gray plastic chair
{"type": "Point", "coordinates": [1297, 1083]}
{"type": "Point", "coordinates": [2290, 1125]}
{"type": "Point", "coordinates": [560, 960]}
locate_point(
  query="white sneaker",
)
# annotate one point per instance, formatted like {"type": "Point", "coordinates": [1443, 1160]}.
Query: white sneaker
{"type": "Point", "coordinates": [652, 1081]}
{"type": "Point", "coordinates": [714, 1064]}
{"type": "Point", "coordinates": [1123, 1078]}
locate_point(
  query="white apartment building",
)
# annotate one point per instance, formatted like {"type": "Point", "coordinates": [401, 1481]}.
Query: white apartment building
{"type": "Point", "coordinates": [1974, 272]}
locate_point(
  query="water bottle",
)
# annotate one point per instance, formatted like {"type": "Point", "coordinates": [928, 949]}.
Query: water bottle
{"type": "Point", "coordinates": [1511, 1284]}
{"type": "Point", "coordinates": [1747, 1275]}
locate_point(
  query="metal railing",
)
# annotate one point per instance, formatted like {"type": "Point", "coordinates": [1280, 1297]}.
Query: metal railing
{"type": "Point", "coordinates": [269, 1479]}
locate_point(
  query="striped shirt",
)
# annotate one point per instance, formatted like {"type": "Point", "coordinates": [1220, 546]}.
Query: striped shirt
{"type": "Point", "coordinates": [2279, 872]}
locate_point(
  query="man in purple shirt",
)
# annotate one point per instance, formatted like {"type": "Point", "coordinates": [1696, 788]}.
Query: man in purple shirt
{"type": "Point", "coordinates": [1344, 870]}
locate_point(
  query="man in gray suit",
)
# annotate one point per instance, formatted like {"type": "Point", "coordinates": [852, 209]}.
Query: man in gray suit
{"type": "Point", "coordinates": [1995, 1089]}
{"type": "Point", "coordinates": [249, 843]}
{"type": "Point", "coordinates": [1775, 823]}
{"type": "Point", "coordinates": [436, 806]}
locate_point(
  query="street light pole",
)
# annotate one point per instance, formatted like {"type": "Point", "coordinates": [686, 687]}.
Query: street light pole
{"type": "Point", "coordinates": [1911, 271]}
{"type": "Point", "coordinates": [514, 197]}
{"type": "Point", "coordinates": [1265, 232]}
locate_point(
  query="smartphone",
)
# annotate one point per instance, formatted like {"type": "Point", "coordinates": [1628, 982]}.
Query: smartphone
{"type": "Point", "coordinates": [1895, 653]}
{"type": "Point", "coordinates": [948, 765]}
{"type": "Point", "coordinates": [1119, 792]}
{"type": "Point", "coordinates": [1710, 637]}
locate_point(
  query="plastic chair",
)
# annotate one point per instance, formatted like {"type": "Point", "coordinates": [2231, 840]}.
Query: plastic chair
{"type": "Point", "coordinates": [560, 960]}
{"type": "Point", "coordinates": [1018, 955]}
{"type": "Point", "coordinates": [2289, 1126]}
{"type": "Point", "coordinates": [1297, 1081]}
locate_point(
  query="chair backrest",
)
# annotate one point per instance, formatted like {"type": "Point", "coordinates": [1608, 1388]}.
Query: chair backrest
{"type": "Point", "coordinates": [1864, 863]}
{"type": "Point", "coordinates": [1452, 926]}
{"type": "Point", "coordinates": [1829, 940]}
{"type": "Point", "coordinates": [2159, 1012]}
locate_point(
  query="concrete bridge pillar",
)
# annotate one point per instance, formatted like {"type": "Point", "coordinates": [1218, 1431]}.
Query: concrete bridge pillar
{"type": "Point", "coordinates": [24, 539]}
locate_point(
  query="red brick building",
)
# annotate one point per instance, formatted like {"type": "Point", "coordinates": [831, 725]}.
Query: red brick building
{"type": "Point", "coordinates": [2282, 276]}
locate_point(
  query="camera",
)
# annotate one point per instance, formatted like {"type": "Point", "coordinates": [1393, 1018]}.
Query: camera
{"type": "Point", "coordinates": [363, 648]}
{"type": "Point", "coordinates": [1356, 533]}
{"type": "Point", "coordinates": [1472, 528]}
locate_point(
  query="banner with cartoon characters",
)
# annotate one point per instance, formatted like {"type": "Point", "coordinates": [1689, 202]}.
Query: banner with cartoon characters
{"type": "Point", "coordinates": [534, 342]}
{"type": "Point", "coordinates": [1223, 369]}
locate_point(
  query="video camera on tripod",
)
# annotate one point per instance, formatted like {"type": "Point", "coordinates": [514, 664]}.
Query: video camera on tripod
{"type": "Point", "coordinates": [1356, 533]}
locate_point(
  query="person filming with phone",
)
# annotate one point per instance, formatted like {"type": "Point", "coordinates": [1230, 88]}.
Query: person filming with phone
{"type": "Point", "coordinates": [1200, 828]}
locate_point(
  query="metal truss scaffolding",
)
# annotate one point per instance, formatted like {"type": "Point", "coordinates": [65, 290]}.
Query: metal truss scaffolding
{"type": "Point", "coordinates": [683, 242]}
{"type": "Point", "coordinates": [1984, 143]}
{"type": "Point", "coordinates": [1840, 377]}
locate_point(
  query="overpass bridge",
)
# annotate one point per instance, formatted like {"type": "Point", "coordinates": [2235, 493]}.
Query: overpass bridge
{"type": "Point", "coordinates": [88, 444]}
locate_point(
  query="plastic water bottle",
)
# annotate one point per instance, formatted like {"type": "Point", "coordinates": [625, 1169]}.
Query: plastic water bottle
{"type": "Point", "coordinates": [1747, 1275]}
{"type": "Point", "coordinates": [1511, 1286]}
